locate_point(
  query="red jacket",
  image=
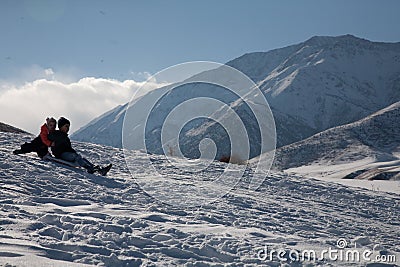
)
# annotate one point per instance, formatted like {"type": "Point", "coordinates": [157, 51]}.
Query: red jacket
{"type": "Point", "coordinates": [44, 132]}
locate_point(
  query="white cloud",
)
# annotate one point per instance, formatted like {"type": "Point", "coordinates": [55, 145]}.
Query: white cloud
{"type": "Point", "coordinates": [141, 75]}
{"type": "Point", "coordinates": [26, 106]}
{"type": "Point", "coordinates": [49, 72]}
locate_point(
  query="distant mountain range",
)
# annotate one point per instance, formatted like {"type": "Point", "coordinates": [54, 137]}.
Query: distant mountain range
{"type": "Point", "coordinates": [321, 83]}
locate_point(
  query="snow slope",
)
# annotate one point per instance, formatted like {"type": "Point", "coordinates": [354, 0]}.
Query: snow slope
{"type": "Point", "coordinates": [8, 128]}
{"type": "Point", "coordinates": [312, 86]}
{"type": "Point", "coordinates": [53, 216]}
{"type": "Point", "coordinates": [376, 137]}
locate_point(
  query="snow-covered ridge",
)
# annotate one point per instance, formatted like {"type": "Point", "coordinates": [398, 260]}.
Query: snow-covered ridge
{"type": "Point", "coordinates": [54, 216]}
{"type": "Point", "coordinates": [109, 132]}
{"type": "Point", "coordinates": [10, 129]}
{"type": "Point", "coordinates": [375, 137]}
{"type": "Point", "coordinates": [321, 83]}
{"type": "Point", "coordinates": [330, 81]}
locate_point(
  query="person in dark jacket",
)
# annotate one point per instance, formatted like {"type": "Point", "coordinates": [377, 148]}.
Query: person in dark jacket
{"type": "Point", "coordinates": [40, 144]}
{"type": "Point", "coordinates": [62, 148]}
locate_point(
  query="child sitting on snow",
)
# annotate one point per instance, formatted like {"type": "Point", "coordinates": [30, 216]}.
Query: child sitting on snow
{"type": "Point", "coordinates": [41, 143]}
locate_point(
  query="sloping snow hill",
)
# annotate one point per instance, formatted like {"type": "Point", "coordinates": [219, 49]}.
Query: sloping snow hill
{"type": "Point", "coordinates": [54, 216]}
{"type": "Point", "coordinates": [373, 140]}
{"type": "Point", "coordinates": [11, 129]}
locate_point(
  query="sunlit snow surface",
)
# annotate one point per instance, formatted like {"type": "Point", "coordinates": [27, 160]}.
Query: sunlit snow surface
{"type": "Point", "coordinates": [54, 216]}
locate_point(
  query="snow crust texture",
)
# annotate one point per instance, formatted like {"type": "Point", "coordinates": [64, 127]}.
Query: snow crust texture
{"type": "Point", "coordinates": [55, 216]}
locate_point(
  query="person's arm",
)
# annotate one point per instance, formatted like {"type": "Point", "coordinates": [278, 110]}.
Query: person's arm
{"type": "Point", "coordinates": [70, 149]}
{"type": "Point", "coordinates": [44, 132]}
{"type": "Point", "coordinates": [51, 137]}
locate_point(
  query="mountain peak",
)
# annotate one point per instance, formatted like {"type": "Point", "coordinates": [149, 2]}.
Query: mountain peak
{"type": "Point", "coordinates": [349, 40]}
{"type": "Point", "coordinates": [329, 40]}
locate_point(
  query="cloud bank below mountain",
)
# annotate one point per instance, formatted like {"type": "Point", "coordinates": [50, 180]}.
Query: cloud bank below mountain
{"type": "Point", "coordinates": [27, 104]}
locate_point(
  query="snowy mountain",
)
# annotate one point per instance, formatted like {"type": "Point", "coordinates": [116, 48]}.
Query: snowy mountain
{"type": "Point", "coordinates": [312, 86]}
{"type": "Point", "coordinates": [51, 215]}
{"type": "Point", "coordinates": [326, 81]}
{"type": "Point", "coordinates": [375, 137]}
{"type": "Point", "coordinates": [105, 129]}
{"type": "Point", "coordinates": [10, 129]}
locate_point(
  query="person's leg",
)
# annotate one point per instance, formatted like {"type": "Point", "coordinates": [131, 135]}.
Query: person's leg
{"type": "Point", "coordinates": [75, 157]}
{"type": "Point", "coordinates": [84, 163]}
{"type": "Point", "coordinates": [42, 151]}
{"type": "Point", "coordinates": [69, 156]}
{"type": "Point", "coordinates": [27, 147]}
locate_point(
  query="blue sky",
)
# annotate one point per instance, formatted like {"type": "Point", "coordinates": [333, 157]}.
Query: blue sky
{"type": "Point", "coordinates": [122, 39]}
{"type": "Point", "coordinates": [81, 58]}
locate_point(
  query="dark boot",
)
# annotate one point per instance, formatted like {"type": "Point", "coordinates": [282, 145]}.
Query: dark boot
{"type": "Point", "coordinates": [94, 169]}
{"type": "Point", "coordinates": [103, 171]}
